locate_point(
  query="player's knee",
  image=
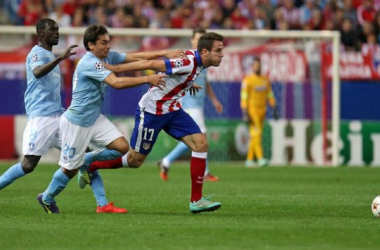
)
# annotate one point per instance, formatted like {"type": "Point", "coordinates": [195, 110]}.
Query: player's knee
{"type": "Point", "coordinates": [201, 146]}
{"type": "Point", "coordinates": [28, 165]}
{"type": "Point", "coordinates": [70, 173]}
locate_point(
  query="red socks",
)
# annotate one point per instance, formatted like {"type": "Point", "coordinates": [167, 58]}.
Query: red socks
{"type": "Point", "coordinates": [197, 172]}
{"type": "Point", "coordinates": [111, 164]}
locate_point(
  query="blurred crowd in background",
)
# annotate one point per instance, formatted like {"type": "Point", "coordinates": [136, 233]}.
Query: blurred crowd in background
{"type": "Point", "coordinates": [357, 20]}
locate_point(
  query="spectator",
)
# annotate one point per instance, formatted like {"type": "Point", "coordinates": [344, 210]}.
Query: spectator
{"type": "Point", "coordinates": [228, 8]}
{"type": "Point", "coordinates": [31, 11]}
{"type": "Point", "coordinates": [291, 14]}
{"type": "Point", "coordinates": [366, 12]}
{"type": "Point", "coordinates": [338, 18]}
{"type": "Point", "coordinates": [349, 11]}
{"type": "Point", "coordinates": [117, 20]}
{"type": "Point", "coordinates": [11, 8]}
{"type": "Point", "coordinates": [348, 35]}
{"type": "Point", "coordinates": [366, 30]}
{"type": "Point", "coordinates": [376, 26]}
{"type": "Point", "coordinates": [62, 19]}
{"type": "Point", "coordinates": [217, 20]}
{"type": "Point", "coordinates": [306, 11]}
{"type": "Point", "coordinates": [266, 7]}
{"type": "Point", "coordinates": [316, 20]}
{"type": "Point", "coordinates": [70, 6]}
{"type": "Point", "coordinates": [148, 10]}
{"type": "Point", "coordinates": [177, 17]}
{"type": "Point", "coordinates": [371, 46]}
{"type": "Point", "coordinates": [240, 21]}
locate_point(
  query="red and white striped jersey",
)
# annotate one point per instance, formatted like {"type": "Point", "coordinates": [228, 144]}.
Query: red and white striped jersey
{"type": "Point", "coordinates": [181, 74]}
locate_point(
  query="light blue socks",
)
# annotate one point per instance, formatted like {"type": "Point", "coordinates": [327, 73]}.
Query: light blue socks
{"type": "Point", "coordinates": [97, 185]}
{"type": "Point", "coordinates": [11, 175]}
{"type": "Point", "coordinates": [107, 154]}
{"type": "Point", "coordinates": [98, 189]}
{"type": "Point", "coordinates": [57, 184]}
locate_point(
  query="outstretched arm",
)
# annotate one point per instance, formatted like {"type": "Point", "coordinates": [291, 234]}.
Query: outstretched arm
{"type": "Point", "coordinates": [210, 93]}
{"type": "Point", "coordinates": [133, 57]}
{"type": "Point", "coordinates": [43, 70]}
{"type": "Point", "coordinates": [157, 65]}
{"type": "Point", "coordinates": [130, 82]}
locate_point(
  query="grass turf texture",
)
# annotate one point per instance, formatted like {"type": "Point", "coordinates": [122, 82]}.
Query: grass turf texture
{"type": "Point", "coordinates": [267, 208]}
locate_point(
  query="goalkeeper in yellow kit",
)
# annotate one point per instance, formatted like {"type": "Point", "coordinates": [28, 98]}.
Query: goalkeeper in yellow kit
{"type": "Point", "coordinates": [256, 91]}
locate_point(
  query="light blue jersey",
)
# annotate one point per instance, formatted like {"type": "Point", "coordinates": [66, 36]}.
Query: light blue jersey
{"type": "Point", "coordinates": [43, 95]}
{"type": "Point", "coordinates": [89, 88]}
{"type": "Point", "coordinates": [197, 100]}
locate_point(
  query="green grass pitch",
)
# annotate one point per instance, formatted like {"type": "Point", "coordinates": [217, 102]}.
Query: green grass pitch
{"type": "Point", "coordinates": [267, 208]}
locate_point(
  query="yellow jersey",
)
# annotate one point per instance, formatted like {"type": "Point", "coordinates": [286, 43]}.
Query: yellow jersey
{"type": "Point", "coordinates": [256, 90]}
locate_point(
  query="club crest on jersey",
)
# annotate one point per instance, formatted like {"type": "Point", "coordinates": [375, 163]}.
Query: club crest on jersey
{"type": "Point", "coordinates": [146, 145]}
{"type": "Point", "coordinates": [98, 66]}
{"type": "Point", "coordinates": [34, 57]}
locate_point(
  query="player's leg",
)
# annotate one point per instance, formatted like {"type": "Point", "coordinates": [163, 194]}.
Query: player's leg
{"type": "Point", "coordinates": [39, 135]}
{"type": "Point", "coordinates": [18, 170]}
{"type": "Point", "coordinates": [105, 133]}
{"type": "Point", "coordinates": [74, 143]}
{"type": "Point", "coordinates": [198, 144]}
{"type": "Point", "coordinates": [144, 136]}
{"type": "Point", "coordinates": [250, 160]}
{"type": "Point", "coordinates": [182, 126]}
{"type": "Point", "coordinates": [108, 143]}
{"type": "Point", "coordinates": [258, 118]}
{"type": "Point", "coordinates": [199, 118]}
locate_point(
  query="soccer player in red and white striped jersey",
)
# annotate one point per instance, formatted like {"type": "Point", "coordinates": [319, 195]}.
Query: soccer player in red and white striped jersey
{"type": "Point", "coordinates": [160, 109]}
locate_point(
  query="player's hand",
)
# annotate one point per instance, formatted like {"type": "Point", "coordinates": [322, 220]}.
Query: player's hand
{"type": "Point", "coordinates": [194, 89]}
{"type": "Point", "coordinates": [218, 106]}
{"type": "Point", "coordinates": [179, 53]}
{"type": "Point", "coordinates": [275, 113]}
{"type": "Point", "coordinates": [68, 52]}
{"type": "Point", "coordinates": [157, 80]}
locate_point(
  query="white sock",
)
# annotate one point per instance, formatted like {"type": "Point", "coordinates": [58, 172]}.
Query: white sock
{"type": "Point", "coordinates": [124, 160]}
{"type": "Point", "coordinates": [166, 162]}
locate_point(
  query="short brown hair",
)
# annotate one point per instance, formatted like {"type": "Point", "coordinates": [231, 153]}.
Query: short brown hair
{"type": "Point", "coordinates": [198, 30]}
{"type": "Point", "coordinates": [207, 40]}
{"type": "Point", "coordinates": [92, 34]}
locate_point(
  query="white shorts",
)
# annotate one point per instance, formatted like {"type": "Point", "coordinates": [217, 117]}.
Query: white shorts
{"type": "Point", "coordinates": [40, 134]}
{"type": "Point", "coordinates": [75, 140]}
{"type": "Point", "coordinates": [198, 116]}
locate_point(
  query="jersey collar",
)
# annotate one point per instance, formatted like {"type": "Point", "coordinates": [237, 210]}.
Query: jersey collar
{"type": "Point", "coordinates": [199, 60]}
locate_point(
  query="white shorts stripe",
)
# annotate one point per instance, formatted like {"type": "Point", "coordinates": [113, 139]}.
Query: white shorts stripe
{"type": "Point", "coordinates": [139, 135]}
